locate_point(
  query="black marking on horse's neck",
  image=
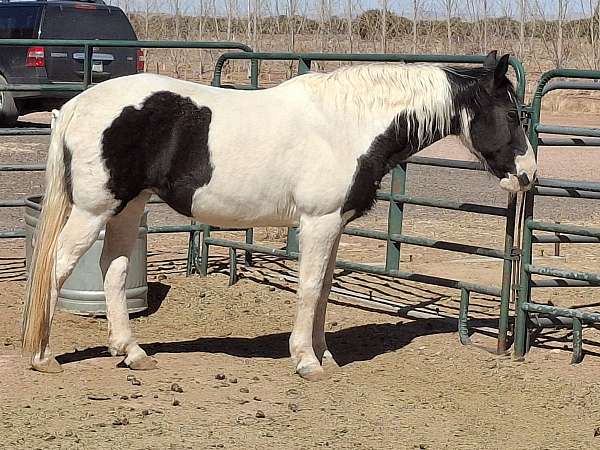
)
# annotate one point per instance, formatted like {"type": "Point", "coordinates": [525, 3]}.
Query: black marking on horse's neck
{"type": "Point", "coordinates": [467, 87]}
{"type": "Point", "coordinates": [399, 141]}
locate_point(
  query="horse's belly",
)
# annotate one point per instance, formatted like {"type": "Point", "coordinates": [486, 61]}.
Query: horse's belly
{"type": "Point", "coordinates": [227, 210]}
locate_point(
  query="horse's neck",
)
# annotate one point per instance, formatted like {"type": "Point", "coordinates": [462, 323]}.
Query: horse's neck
{"type": "Point", "coordinates": [410, 107]}
{"type": "Point", "coordinates": [395, 133]}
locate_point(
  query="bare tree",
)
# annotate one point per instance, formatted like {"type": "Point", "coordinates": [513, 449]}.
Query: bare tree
{"type": "Point", "coordinates": [486, 15]}
{"type": "Point", "coordinates": [349, 24]}
{"type": "Point", "coordinates": [417, 4]}
{"type": "Point", "coordinates": [292, 11]}
{"type": "Point", "coordinates": [522, 20]}
{"type": "Point", "coordinates": [384, 12]}
{"type": "Point", "coordinates": [554, 32]}
{"type": "Point", "coordinates": [149, 5]}
{"type": "Point", "coordinates": [322, 19]}
{"type": "Point", "coordinates": [477, 11]}
{"type": "Point", "coordinates": [449, 7]}
{"type": "Point", "coordinates": [231, 7]}
{"type": "Point", "coordinates": [594, 31]}
{"type": "Point", "coordinates": [252, 22]}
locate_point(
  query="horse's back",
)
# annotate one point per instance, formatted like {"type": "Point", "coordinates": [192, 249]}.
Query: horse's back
{"type": "Point", "coordinates": [208, 152]}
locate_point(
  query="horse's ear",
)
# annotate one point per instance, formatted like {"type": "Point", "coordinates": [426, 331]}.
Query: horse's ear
{"type": "Point", "coordinates": [496, 77]}
{"type": "Point", "coordinates": [491, 60]}
{"type": "Point", "coordinates": [501, 69]}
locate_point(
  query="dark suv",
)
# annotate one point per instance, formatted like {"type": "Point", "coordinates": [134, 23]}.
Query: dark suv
{"type": "Point", "coordinates": [55, 65]}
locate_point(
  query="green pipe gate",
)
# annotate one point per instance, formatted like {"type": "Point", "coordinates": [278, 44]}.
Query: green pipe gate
{"type": "Point", "coordinates": [529, 315]}
{"type": "Point", "coordinates": [200, 238]}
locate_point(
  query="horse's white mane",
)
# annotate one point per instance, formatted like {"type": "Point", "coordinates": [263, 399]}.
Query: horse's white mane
{"type": "Point", "coordinates": [363, 90]}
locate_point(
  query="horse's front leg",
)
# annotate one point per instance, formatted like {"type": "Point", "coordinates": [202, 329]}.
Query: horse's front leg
{"type": "Point", "coordinates": [319, 342]}
{"type": "Point", "coordinates": [318, 237]}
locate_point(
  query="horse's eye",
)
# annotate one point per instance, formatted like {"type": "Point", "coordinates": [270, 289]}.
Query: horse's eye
{"type": "Point", "coordinates": [513, 115]}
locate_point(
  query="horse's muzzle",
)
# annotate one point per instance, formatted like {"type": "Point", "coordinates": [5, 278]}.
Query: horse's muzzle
{"type": "Point", "coordinates": [525, 182]}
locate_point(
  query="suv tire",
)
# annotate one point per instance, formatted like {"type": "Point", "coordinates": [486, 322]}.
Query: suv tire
{"type": "Point", "coordinates": [8, 110]}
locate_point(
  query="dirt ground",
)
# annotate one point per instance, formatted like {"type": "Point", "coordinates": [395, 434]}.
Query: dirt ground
{"type": "Point", "coordinates": [403, 383]}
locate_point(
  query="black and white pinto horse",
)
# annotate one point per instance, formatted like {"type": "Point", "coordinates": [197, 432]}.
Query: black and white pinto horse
{"type": "Point", "coordinates": [310, 152]}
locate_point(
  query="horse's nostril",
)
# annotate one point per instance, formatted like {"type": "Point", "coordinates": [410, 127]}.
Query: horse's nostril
{"type": "Point", "coordinates": [524, 179]}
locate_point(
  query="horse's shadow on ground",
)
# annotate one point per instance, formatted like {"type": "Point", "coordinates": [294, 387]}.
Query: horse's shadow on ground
{"type": "Point", "coordinates": [157, 292]}
{"type": "Point", "coordinates": [358, 343]}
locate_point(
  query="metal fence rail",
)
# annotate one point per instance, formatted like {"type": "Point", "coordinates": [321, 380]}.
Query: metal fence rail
{"type": "Point", "coordinates": [397, 198]}
{"type": "Point", "coordinates": [526, 310]}
{"type": "Point", "coordinates": [305, 61]}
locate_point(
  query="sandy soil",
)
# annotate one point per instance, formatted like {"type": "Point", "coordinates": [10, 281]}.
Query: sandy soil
{"type": "Point", "coordinates": [403, 383]}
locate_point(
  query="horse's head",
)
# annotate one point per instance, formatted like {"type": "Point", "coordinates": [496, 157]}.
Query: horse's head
{"type": "Point", "coordinates": [495, 134]}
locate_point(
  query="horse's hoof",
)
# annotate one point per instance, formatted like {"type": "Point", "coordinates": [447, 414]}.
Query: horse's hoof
{"type": "Point", "coordinates": [47, 365]}
{"type": "Point", "coordinates": [116, 352]}
{"type": "Point", "coordinates": [145, 363]}
{"type": "Point", "coordinates": [311, 372]}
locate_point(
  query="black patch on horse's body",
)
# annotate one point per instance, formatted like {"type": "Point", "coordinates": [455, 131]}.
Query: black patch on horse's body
{"type": "Point", "coordinates": [163, 146]}
{"type": "Point", "coordinates": [396, 144]}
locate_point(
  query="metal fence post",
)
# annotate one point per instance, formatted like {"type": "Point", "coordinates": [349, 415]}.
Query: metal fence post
{"type": "Point", "coordinates": [254, 73]}
{"type": "Point", "coordinates": [292, 241]}
{"type": "Point", "coordinates": [304, 65]}
{"type": "Point", "coordinates": [192, 251]}
{"type": "Point", "coordinates": [463, 317]}
{"type": "Point", "coordinates": [509, 241]}
{"type": "Point", "coordinates": [525, 281]}
{"type": "Point", "coordinates": [395, 217]}
{"type": "Point", "coordinates": [88, 51]}
{"type": "Point", "coordinates": [249, 240]}
{"type": "Point", "coordinates": [204, 250]}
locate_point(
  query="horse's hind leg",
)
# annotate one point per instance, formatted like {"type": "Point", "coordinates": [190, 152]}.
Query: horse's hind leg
{"type": "Point", "coordinates": [119, 240]}
{"type": "Point", "coordinates": [318, 236]}
{"type": "Point", "coordinates": [79, 233]}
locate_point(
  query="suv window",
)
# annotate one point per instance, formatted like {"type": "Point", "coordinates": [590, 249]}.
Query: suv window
{"type": "Point", "coordinates": [19, 22]}
{"type": "Point", "coordinates": [82, 22]}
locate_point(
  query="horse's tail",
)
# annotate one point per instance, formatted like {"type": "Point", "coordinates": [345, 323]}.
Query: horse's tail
{"type": "Point", "coordinates": [55, 209]}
